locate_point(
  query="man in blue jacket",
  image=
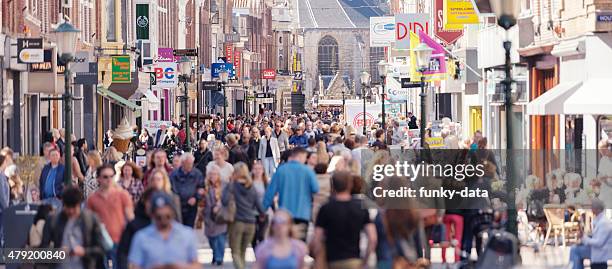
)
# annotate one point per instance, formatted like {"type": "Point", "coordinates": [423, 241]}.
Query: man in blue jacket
{"type": "Point", "coordinates": [295, 183]}
{"type": "Point", "coordinates": [299, 139]}
{"type": "Point", "coordinates": [51, 178]}
{"type": "Point", "coordinates": [188, 184]}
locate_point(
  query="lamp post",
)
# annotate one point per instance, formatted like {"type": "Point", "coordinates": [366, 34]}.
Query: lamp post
{"type": "Point", "coordinates": [423, 55]}
{"type": "Point", "coordinates": [223, 78]}
{"type": "Point", "coordinates": [382, 71]}
{"type": "Point", "coordinates": [185, 76]}
{"type": "Point", "coordinates": [365, 81]}
{"type": "Point", "coordinates": [343, 99]}
{"type": "Point", "coordinates": [507, 11]}
{"type": "Point", "coordinates": [65, 38]}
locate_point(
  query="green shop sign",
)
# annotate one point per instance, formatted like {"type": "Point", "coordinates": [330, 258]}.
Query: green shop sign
{"type": "Point", "coordinates": [121, 69]}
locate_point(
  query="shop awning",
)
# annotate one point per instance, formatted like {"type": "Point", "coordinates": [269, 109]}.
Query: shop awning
{"type": "Point", "coordinates": [592, 98]}
{"type": "Point", "coordinates": [144, 95]}
{"type": "Point", "coordinates": [122, 101]}
{"type": "Point", "coordinates": [551, 102]}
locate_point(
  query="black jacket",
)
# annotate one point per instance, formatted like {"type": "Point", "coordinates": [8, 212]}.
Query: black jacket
{"type": "Point", "coordinates": [53, 233]}
{"type": "Point", "coordinates": [236, 154]}
{"type": "Point", "coordinates": [202, 158]}
{"type": "Point", "coordinates": [82, 159]}
{"type": "Point", "coordinates": [140, 221]}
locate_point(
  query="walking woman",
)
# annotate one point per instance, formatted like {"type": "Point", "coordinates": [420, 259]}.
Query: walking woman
{"type": "Point", "coordinates": [160, 181]}
{"type": "Point", "coordinates": [90, 184]}
{"type": "Point", "coordinates": [280, 250]}
{"type": "Point", "coordinates": [269, 152]}
{"type": "Point", "coordinates": [260, 183]}
{"type": "Point", "coordinates": [130, 179]}
{"type": "Point", "coordinates": [220, 155]}
{"type": "Point", "coordinates": [215, 232]}
{"type": "Point", "coordinates": [248, 204]}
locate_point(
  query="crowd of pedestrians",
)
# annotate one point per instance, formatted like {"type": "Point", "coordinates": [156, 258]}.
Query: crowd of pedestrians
{"type": "Point", "coordinates": [288, 186]}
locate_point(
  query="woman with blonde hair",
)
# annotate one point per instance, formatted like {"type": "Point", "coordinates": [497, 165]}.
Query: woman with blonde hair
{"type": "Point", "coordinates": [322, 153]}
{"type": "Point", "coordinates": [214, 231]}
{"type": "Point", "coordinates": [220, 155]}
{"type": "Point", "coordinates": [90, 183]}
{"type": "Point", "coordinates": [160, 181]}
{"type": "Point", "coordinates": [242, 230]}
{"type": "Point", "coordinates": [111, 155]}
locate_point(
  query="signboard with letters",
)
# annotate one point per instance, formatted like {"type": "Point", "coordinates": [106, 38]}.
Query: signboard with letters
{"type": "Point", "coordinates": [88, 78]}
{"type": "Point", "coordinates": [406, 23]}
{"type": "Point", "coordinates": [237, 56]}
{"type": "Point", "coordinates": [229, 53]}
{"type": "Point", "coordinates": [186, 52]}
{"type": "Point", "coordinates": [142, 21]}
{"type": "Point", "coordinates": [437, 64]}
{"type": "Point", "coordinates": [382, 31]}
{"type": "Point", "coordinates": [406, 83]}
{"type": "Point", "coordinates": [210, 86]}
{"type": "Point", "coordinates": [30, 50]}
{"type": "Point", "coordinates": [446, 35]}
{"type": "Point", "coordinates": [458, 13]}
{"type": "Point", "coordinates": [121, 66]}
{"type": "Point", "coordinates": [604, 16]}
{"type": "Point", "coordinates": [354, 115]}
{"type": "Point", "coordinates": [268, 74]}
{"type": "Point", "coordinates": [166, 55]}
{"type": "Point", "coordinates": [165, 75]}
{"type": "Point", "coordinates": [217, 67]}
{"type": "Point", "coordinates": [46, 65]}
{"type": "Point", "coordinates": [80, 63]}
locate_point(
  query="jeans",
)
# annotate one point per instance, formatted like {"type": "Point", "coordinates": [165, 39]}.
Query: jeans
{"type": "Point", "coordinates": [577, 255]}
{"type": "Point", "coordinates": [217, 243]}
{"type": "Point", "coordinates": [240, 236]}
{"type": "Point", "coordinates": [111, 256]}
{"type": "Point", "coordinates": [269, 166]}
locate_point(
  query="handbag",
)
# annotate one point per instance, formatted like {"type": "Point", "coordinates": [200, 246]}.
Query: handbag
{"type": "Point", "coordinates": [227, 212]}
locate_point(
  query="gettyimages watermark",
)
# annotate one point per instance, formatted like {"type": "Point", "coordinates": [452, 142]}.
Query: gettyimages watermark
{"type": "Point", "coordinates": [481, 179]}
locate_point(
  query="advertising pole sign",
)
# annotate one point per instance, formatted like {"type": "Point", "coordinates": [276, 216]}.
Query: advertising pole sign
{"type": "Point", "coordinates": [354, 115]}
{"type": "Point", "coordinates": [165, 75]}
{"type": "Point", "coordinates": [268, 74]}
{"type": "Point", "coordinates": [142, 21]}
{"type": "Point", "coordinates": [30, 50]}
{"type": "Point", "coordinates": [406, 23]}
{"type": "Point", "coordinates": [121, 69]}
{"type": "Point", "coordinates": [382, 31]}
{"type": "Point", "coordinates": [446, 35]}
{"type": "Point", "coordinates": [229, 53]}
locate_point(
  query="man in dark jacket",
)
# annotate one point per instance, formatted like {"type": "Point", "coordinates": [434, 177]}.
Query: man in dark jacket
{"type": "Point", "coordinates": [80, 152]}
{"type": "Point", "coordinates": [51, 177]}
{"type": "Point", "coordinates": [248, 145]}
{"type": "Point", "coordinates": [203, 156]}
{"type": "Point", "coordinates": [76, 230]}
{"type": "Point", "coordinates": [188, 184]}
{"type": "Point", "coordinates": [236, 154]}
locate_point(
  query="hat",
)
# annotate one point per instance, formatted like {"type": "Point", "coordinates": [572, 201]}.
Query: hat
{"type": "Point", "coordinates": [161, 199]}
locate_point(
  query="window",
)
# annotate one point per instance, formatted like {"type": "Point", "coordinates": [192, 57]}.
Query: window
{"type": "Point", "coordinates": [328, 56]}
{"type": "Point", "coordinates": [376, 54]}
{"type": "Point", "coordinates": [111, 19]}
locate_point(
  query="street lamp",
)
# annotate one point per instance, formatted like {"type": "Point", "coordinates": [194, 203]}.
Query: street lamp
{"type": "Point", "coordinates": [365, 81]}
{"type": "Point", "coordinates": [382, 71]}
{"type": "Point", "coordinates": [185, 75]}
{"type": "Point", "coordinates": [343, 99]}
{"type": "Point", "coordinates": [223, 78]}
{"type": "Point", "coordinates": [507, 11]}
{"type": "Point", "coordinates": [65, 38]}
{"type": "Point", "coordinates": [423, 56]}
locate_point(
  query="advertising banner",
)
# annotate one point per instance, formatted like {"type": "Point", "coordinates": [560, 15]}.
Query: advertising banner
{"type": "Point", "coordinates": [166, 55]}
{"type": "Point", "coordinates": [46, 66]}
{"type": "Point", "coordinates": [458, 13]}
{"type": "Point", "coordinates": [382, 31]}
{"type": "Point", "coordinates": [216, 68]}
{"type": "Point", "coordinates": [446, 35]}
{"type": "Point", "coordinates": [142, 21]}
{"type": "Point", "coordinates": [237, 65]}
{"type": "Point", "coordinates": [437, 64]}
{"type": "Point", "coordinates": [30, 50]}
{"type": "Point", "coordinates": [80, 62]}
{"type": "Point", "coordinates": [406, 23]}
{"type": "Point", "coordinates": [165, 75]}
{"type": "Point", "coordinates": [395, 92]}
{"type": "Point", "coordinates": [268, 74]}
{"type": "Point", "coordinates": [229, 53]}
{"type": "Point", "coordinates": [121, 69]}
{"type": "Point", "coordinates": [354, 115]}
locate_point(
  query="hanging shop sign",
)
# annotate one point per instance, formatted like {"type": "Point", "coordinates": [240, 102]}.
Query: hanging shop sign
{"type": "Point", "coordinates": [382, 31]}
{"type": "Point", "coordinates": [268, 74]}
{"type": "Point", "coordinates": [407, 23]}
{"type": "Point", "coordinates": [165, 75]}
{"type": "Point", "coordinates": [80, 63]}
{"type": "Point", "coordinates": [446, 35]}
{"type": "Point", "coordinates": [142, 21]}
{"type": "Point", "coordinates": [46, 65]}
{"type": "Point", "coordinates": [458, 13]}
{"type": "Point", "coordinates": [237, 66]}
{"type": "Point", "coordinates": [166, 55]}
{"type": "Point", "coordinates": [121, 66]}
{"type": "Point", "coordinates": [229, 53]}
{"type": "Point", "coordinates": [217, 68]}
{"type": "Point", "coordinates": [30, 50]}
{"type": "Point", "coordinates": [437, 64]}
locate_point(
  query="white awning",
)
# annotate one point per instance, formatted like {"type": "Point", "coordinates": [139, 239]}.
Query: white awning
{"type": "Point", "coordinates": [551, 102]}
{"type": "Point", "coordinates": [594, 98]}
{"type": "Point", "coordinates": [151, 98]}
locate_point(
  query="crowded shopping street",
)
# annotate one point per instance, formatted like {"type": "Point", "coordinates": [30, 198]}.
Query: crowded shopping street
{"type": "Point", "coordinates": [306, 134]}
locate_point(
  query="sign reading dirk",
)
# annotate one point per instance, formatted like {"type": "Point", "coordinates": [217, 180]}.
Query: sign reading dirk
{"type": "Point", "coordinates": [406, 23]}
{"type": "Point", "coordinates": [186, 52]}
{"type": "Point", "coordinates": [268, 74]}
{"type": "Point", "coordinates": [142, 21]}
{"type": "Point", "coordinates": [30, 50]}
{"type": "Point", "coordinates": [165, 75]}
{"type": "Point", "coordinates": [121, 69]}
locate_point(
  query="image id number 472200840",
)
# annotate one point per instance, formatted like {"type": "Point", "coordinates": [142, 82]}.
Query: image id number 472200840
{"type": "Point", "coordinates": [40, 255]}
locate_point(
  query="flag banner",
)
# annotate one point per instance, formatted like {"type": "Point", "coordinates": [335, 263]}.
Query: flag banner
{"type": "Point", "coordinates": [142, 21]}
{"type": "Point", "coordinates": [437, 64]}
